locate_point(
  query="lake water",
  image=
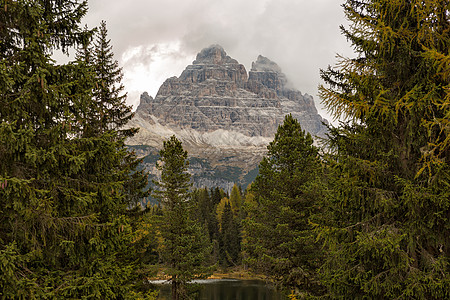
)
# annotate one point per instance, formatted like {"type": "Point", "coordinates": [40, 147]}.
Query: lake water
{"type": "Point", "coordinates": [227, 289]}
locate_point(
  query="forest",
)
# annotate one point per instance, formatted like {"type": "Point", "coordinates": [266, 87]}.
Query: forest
{"type": "Point", "coordinates": [363, 214]}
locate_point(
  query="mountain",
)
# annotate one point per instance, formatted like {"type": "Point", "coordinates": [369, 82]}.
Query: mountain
{"type": "Point", "coordinates": [224, 116]}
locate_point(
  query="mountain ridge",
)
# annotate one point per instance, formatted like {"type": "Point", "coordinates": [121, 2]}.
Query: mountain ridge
{"type": "Point", "coordinates": [222, 113]}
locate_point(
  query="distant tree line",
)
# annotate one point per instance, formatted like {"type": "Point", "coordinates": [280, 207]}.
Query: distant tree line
{"type": "Point", "coordinates": [364, 215]}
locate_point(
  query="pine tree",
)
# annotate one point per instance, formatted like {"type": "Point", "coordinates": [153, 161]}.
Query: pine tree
{"type": "Point", "coordinates": [201, 201]}
{"type": "Point", "coordinates": [236, 199]}
{"type": "Point", "coordinates": [217, 195]}
{"type": "Point", "coordinates": [185, 246]}
{"type": "Point", "coordinates": [204, 211]}
{"type": "Point", "coordinates": [64, 195]}
{"type": "Point", "coordinates": [278, 239]}
{"type": "Point", "coordinates": [220, 208]}
{"type": "Point", "coordinates": [86, 80]}
{"type": "Point", "coordinates": [230, 237]}
{"type": "Point", "coordinates": [113, 113]}
{"type": "Point", "coordinates": [105, 114]}
{"type": "Point", "coordinates": [228, 216]}
{"type": "Point", "coordinates": [386, 224]}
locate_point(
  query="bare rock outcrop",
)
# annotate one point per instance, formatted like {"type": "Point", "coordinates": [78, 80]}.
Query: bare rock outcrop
{"type": "Point", "coordinates": [221, 113]}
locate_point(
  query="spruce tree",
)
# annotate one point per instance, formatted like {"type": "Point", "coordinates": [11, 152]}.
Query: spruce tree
{"type": "Point", "coordinates": [113, 113]}
{"type": "Point", "coordinates": [204, 211]}
{"type": "Point", "coordinates": [278, 240]}
{"type": "Point", "coordinates": [86, 81]}
{"type": "Point", "coordinates": [63, 227]}
{"type": "Point", "coordinates": [185, 246]}
{"type": "Point", "coordinates": [230, 237]}
{"type": "Point", "coordinates": [386, 224]}
{"type": "Point", "coordinates": [217, 195]}
{"type": "Point", "coordinates": [236, 199]}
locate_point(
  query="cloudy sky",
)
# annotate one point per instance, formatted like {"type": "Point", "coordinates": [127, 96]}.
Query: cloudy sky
{"type": "Point", "coordinates": [157, 39]}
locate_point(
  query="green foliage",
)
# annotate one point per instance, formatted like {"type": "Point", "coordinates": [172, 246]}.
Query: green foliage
{"type": "Point", "coordinates": [222, 222]}
{"type": "Point", "coordinates": [204, 211]}
{"type": "Point", "coordinates": [66, 185]}
{"type": "Point", "coordinates": [228, 215]}
{"type": "Point", "coordinates": [173, 188]}
{"type": "Point", "coordinates": [386, 218]}
{"type": "Point", "coordinates": [230, 237]}
{"type": "Point", "coordinates": [185, 246]}
{"type": "Point", "coordinates": [113, 113]}
{"type": "Point", "coordinates": [278, 240]}
{"type": "Point", "coordinates": [235, 199]}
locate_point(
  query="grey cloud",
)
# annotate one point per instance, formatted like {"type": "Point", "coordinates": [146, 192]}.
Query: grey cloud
{"type": "Point", "coordinates": [301, 36]}
{"type": "Point", "coordinates": [146, 55]}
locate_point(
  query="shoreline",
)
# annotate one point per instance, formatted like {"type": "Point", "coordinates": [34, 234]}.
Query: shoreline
{"type": "Point", "coordinates": [242, 275]}
{"type": "Point", "coordinates": [219, 274]}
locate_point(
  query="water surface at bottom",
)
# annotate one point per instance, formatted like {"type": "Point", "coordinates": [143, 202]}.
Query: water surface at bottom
{"type": "Point", "coordinates": [227, 289]}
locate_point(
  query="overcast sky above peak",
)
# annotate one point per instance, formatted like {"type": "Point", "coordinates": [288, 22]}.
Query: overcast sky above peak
{"type": "Point", "coordinates": [156, 39]}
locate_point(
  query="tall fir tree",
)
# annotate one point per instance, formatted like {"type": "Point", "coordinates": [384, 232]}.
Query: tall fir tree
{"type": "Point", "coordinates": [86, 82]}
{"type": "Point", "coordinates": [236, 199]}
{"type": "Point", "coordinates": [230, 237]}
{"type": "Point", "coordinates": [108, 93]}
{"type": "Point", "coordinates": [107, 111]}
{"type": "Point", "coordinates": [113, 113]}
{"type": "Point", "coordinates": [204, 211]}
{"type": "Point", "coordinates": [387, 218]}
{"type": "Point", "coordinates": [279, 241]}
{"type": "Point", "coordinates": [185, 245]}
{"type": "Point", "coordinates": [64, 195]}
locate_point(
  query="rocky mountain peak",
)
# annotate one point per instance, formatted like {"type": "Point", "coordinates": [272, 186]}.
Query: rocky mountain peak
{"type": "Point", "coordinates": [146, 99]}
{"type": "Point", "coordinates": [215, 93]}
{"type": "Point", "coordinates": [268, 74]}
{"type": "Point", "coordinates": [263, 64]}
{"type": "Point", "coordinates": [212, 63]}
{"type": "Point", "coordinates": [223, 114]}
{"type": "Point", "coordinates": [215, 55]}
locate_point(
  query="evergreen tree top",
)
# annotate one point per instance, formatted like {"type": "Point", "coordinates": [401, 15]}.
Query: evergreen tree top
{"type": "Point", "coordinates": [290, 142]}
{"type": "Point", "coordinates": [173, 188]}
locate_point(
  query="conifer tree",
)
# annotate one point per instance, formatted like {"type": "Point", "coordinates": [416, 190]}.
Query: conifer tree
{"type": "Point", "coordinates": [386, 224]}
{"type": "Point", "coordinates": [108, 92]}
{"type": "Point", "coordinates": [63, 229]}
{"type": "Point", "coordinates": [278, 239]}
{"type": "Point", "coordinates": [86, 80]}
{"type": "Point", "coordinates": [235, 199]}
{"type": "Point", "coordinates": [202, 203]}
{"type": "Point", "coordinates": [230, 236]}
{"type": "Point", "coordinates": [217, 195]}
{"type": "Point", "coordinates": [185, 245]}
{"type": "Point", "coordinates": [204, 211]}
{"type": "Point", "coordinates": [220, 208]}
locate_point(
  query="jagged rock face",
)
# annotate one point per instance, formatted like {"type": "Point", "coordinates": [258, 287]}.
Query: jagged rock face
{"type": "Point", "coordinates": [214, 64]}
{"type": "Point", "coordinates": [214, 94]}
{"type": "Point", "coordinates": [268, 73]}
{"type": "Point", "coordinates": [218, 111]}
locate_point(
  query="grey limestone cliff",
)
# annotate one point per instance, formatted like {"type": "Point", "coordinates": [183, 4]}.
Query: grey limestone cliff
{"type": "Point", "coordinates": [221, 113]}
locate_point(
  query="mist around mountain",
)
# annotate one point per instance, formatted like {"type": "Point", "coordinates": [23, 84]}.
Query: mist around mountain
{"type": "Point", "coordinates": [224, 116]}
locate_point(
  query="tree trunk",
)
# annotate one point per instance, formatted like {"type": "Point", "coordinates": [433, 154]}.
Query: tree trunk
{"type": "Point", "coordinates": [175, 293]}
